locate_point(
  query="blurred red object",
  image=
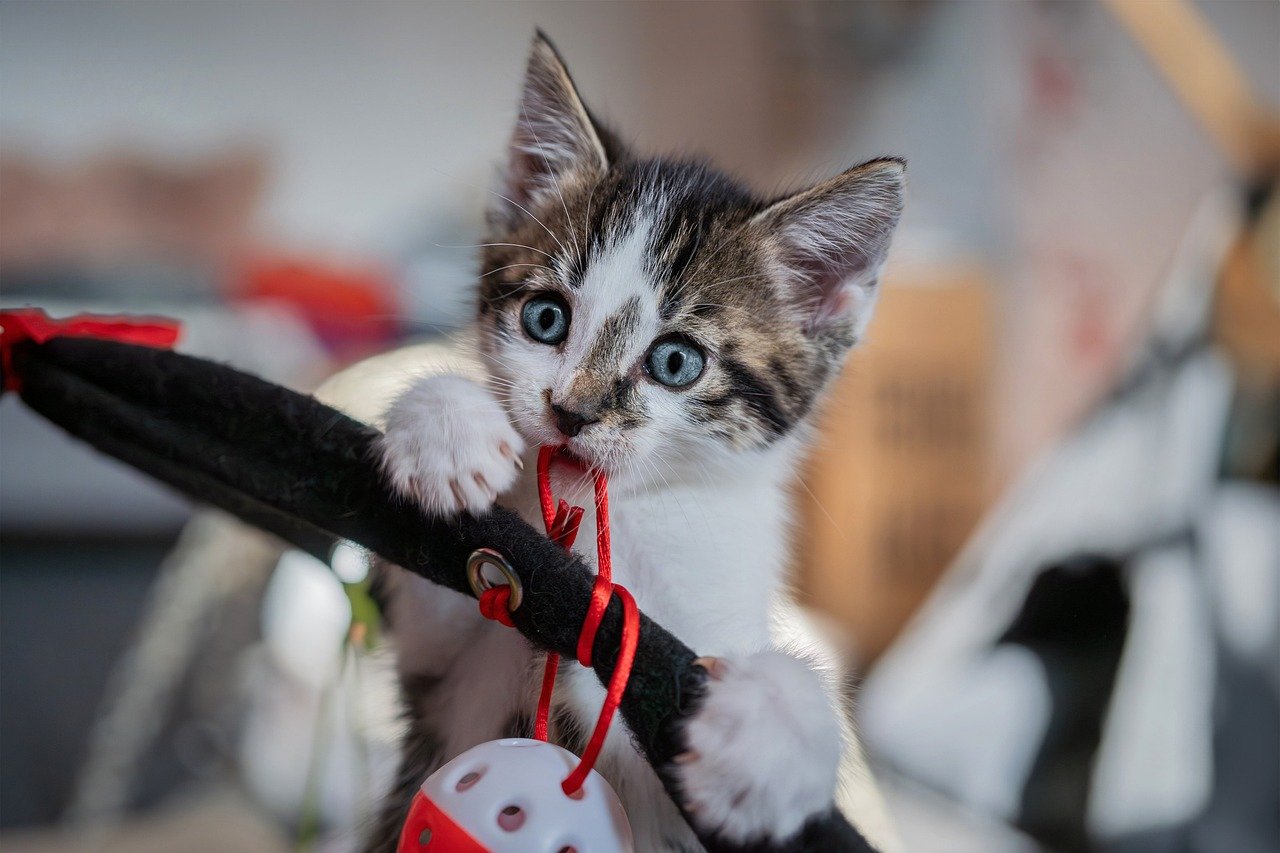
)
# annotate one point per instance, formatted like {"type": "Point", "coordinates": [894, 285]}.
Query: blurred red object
{"type": "Point", "coordinates": [353, 310]}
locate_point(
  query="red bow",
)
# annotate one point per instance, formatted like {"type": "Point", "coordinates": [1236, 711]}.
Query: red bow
{"type": "Point", "coordinates": [32, 324]}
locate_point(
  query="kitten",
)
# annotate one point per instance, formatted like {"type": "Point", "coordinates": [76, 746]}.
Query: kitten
{"type": "Point", "coordinates": [676, 331]}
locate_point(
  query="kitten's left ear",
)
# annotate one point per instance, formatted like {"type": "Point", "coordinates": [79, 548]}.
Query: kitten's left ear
{"type": "Point", "coordinates": [831, 241]}
{"type": "Point", "coordinates": [555, 134]}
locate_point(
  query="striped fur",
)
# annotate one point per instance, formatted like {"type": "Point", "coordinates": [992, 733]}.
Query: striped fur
{"type": "Point", "coordinates": [775, 291]}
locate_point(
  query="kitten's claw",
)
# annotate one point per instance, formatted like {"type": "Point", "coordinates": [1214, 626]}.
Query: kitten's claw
{"type": "Point", "coordinates": [449, 446]}
{"type": "Point", "coordinates": [715, 667]}
{"type": "Point", "coordinates": [765, 718]}
{"type": "Point", "coordinates": [509, 452]}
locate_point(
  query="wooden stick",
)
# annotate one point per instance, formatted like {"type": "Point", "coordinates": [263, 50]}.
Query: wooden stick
{"type": "Point", "coordinates": [1207, 79]}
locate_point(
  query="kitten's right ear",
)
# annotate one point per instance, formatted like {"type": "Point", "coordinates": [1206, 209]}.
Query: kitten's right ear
{"type": "Point", "coordinates": [554, 134]}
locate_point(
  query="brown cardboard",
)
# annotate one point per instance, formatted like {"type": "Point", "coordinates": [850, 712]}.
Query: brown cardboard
{"type": "Point", "coordinates": [900, 473]}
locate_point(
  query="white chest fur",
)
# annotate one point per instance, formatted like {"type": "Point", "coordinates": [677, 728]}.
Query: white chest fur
{"type": "Point", "coordinates": [705, 561]}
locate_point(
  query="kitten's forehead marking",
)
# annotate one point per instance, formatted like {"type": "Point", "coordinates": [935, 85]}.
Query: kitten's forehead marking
{"type": "Point", "coordinates": [616, 304]}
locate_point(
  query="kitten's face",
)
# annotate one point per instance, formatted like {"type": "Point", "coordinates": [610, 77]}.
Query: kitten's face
{"type": "Point", "coordinates": [651, 314]}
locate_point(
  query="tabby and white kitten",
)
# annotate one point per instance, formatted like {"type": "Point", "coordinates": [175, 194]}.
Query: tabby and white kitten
{"type": "Point", "coordinates": [676, 331]}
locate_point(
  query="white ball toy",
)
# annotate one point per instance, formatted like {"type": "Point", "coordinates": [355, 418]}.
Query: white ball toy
{"type": "Point", "coordinates": [505, 796]}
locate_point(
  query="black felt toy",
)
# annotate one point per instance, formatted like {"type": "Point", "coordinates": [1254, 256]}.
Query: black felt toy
{"type": "Point", "coordinates": [287, 463]}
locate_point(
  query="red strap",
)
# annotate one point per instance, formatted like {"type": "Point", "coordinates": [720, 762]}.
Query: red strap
{"type": "Point", "coordinates": [540, 722]}
{"type": "Point", "coordinates": [32, 324]}
{"type": "Point", "coordinates": [603, 589]}
{"type": "Point", "coordinates": [562, 522]}
{"type": "Point", "coordinates": [613, 696]}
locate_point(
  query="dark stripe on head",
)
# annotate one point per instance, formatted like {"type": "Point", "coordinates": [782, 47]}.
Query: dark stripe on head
{"type": "Point", "coordinates": [678, 240]}
{"type": "Point", "coordinates": [610, 343]}
{"type": "Point", "coordinates": [615, 397]}
{"type": "Point", "coordinates": [575, 266]}
{"type": "Point", "coordinates": [758, 396]}
{"type": "Point", "coordinates": [793, 389]}
{"type": "Point", "coordinates": [680, 247]}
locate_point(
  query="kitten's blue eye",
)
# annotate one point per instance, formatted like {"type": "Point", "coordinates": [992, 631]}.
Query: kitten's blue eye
{"type": "Point", "coordinates": [546, 319]}
{"type": "Point", "coordinates": [675, 362]}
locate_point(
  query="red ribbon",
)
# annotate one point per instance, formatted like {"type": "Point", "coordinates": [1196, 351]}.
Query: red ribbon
{"type": "Point", "coordinates": [562, 521]}
{"type": "Point", "coordinates": [32, 324]}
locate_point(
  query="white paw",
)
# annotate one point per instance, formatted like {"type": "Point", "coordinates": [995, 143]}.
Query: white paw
{"type": "Point", "coordinates": [763, 750]}
{"type": "Point", "coordinates": [449, 446]}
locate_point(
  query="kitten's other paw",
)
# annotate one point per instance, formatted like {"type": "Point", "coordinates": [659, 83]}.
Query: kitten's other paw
{"type": "Point", "coordinates": [449, 445]}
{"type": "Point", "coordinates": [762, 751]}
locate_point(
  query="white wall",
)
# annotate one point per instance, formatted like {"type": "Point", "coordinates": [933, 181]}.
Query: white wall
{"type": "Point", "coordinates": [371, 109]}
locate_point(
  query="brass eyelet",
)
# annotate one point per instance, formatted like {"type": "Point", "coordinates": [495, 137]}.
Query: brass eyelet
{"type": "Point", "coordinates": [481, 557]}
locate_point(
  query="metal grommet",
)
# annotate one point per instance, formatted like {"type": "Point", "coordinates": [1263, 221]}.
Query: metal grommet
{"type": "Point", "coordinates": [481, 557]}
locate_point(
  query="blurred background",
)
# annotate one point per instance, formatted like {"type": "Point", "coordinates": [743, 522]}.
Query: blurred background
{"type": "Point", "coordinates": [1042, 516]}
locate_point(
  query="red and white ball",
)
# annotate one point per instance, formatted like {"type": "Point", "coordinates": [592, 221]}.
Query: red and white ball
{"type": "Point", "coordinates": [505, 795]}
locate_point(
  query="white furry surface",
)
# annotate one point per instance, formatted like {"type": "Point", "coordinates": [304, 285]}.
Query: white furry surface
{"type": "Point", "coordinates": [448, 445]}
{"type": "Point", "coordinates": [741, 774]}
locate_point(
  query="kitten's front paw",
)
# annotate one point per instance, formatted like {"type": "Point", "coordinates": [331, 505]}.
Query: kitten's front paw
{"type": "Point", "coordinates": [449, 446]}
{"type": "Point", "coordinates": [762, 751]}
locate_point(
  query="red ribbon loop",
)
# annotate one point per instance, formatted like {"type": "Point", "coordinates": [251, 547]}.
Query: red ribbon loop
{"type": "Point", "coordinates": [495, 604]}
{"type": "Point", "coordinates": [562, 522]}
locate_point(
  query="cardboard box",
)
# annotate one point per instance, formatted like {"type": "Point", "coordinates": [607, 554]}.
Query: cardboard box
{"type": "Point", "coordinates": [900, 474]}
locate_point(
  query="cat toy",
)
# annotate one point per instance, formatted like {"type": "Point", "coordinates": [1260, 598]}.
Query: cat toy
{"type": "Point", "coordinates": [503, 796]}
{"type": "Point", "coordinates": [286, 463]}
{"type": "Point", "coordinates": [498, 796]}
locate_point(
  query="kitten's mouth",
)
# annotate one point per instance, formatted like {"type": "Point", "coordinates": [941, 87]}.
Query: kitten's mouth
{"type": "Point", "coordinates": [566, 452]}
{"type": "Point", "coordinates": [574, 452]}
{"type": "Point", "coordinates": [595, 446]}
{"type": "Point", "coordinates": [589, 454]}
{"type": "Point", "coordinates": [569, 461]}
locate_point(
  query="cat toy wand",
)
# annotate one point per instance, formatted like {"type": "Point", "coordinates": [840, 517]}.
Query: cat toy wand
{"type": "Point", "coordinates": [297, 468]}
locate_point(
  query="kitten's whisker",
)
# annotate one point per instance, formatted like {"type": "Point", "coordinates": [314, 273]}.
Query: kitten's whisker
{"type": "Point", "coordinates": [737, 308]}
{"type": "Point", "coordinates": [737, 278]}
{"type": "Point", "coordinates": [818, 503]}
{"type": "Point", "coordinates": [510, 266]}
{"type": "Point", "coordinates": [547, 162]}
{"type": "Point", "coordinates": [719, 247]}
{"type": "Point", "coordinates": [488, 245]}
{"type": "Point", "coordinates": [586, 228]}
{"type": "Point", "coordinates": [531, 216]}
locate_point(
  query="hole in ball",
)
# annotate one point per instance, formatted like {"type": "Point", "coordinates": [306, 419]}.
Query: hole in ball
{"type": "Point", "coordinates": [511, 818]}
{"type": "Point", "coordinates": [469, 781]}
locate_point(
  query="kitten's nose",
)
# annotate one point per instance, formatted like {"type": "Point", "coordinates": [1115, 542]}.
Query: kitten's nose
{"type": "Point", "coordinates": [571, 423]}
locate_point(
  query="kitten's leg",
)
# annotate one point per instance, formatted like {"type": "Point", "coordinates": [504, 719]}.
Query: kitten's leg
{"type": "Point", "coordinates": [426, 624]}
{"type": "Point", "coordinates": [485, 694]}
{"type": "Point", "coordinates": [420, 754]}
{"type": "Point", "coordinates": [763, 750]}
{"type": "Point", "coordinates": [448, 446]}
